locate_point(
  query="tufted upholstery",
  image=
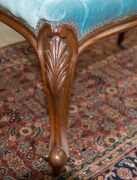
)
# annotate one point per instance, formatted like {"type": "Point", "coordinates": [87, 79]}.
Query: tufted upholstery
{"type": "Point", "coordinates": [86, 15]}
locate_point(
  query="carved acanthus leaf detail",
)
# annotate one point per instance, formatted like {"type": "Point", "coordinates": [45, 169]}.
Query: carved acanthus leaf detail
{"type": "Point", "coordinates": [57, 62]}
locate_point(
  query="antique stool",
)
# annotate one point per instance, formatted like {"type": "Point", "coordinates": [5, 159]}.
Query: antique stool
{"type": "Point", "coordinates": [59, 31]}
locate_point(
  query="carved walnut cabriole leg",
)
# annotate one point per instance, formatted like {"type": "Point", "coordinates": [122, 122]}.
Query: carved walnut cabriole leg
{"type": "Point", "coordinates": [58, 50]}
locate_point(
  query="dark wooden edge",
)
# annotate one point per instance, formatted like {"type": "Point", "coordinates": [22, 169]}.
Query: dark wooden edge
{"type": "Point", "coordinates": [18, 26]}
{"type": "Point", "coordinates": [106, 31]}
{"type": "Point", "coordinates": [86, 42]}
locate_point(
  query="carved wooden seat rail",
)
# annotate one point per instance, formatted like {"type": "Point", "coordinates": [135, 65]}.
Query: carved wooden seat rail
{"type": "Point", "coordinates": [58, 50]}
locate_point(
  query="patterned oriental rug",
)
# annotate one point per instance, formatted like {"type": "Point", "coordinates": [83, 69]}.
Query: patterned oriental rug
{"type": "Point", "coordinates": [103, 114]}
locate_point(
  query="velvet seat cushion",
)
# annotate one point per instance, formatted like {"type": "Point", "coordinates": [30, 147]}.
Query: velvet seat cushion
{"type": "Point", "coordinates": [85, 15]}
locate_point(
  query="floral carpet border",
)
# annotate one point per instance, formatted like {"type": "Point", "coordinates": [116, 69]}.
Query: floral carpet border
{"type": "Point", "coordinates": [96, 165]}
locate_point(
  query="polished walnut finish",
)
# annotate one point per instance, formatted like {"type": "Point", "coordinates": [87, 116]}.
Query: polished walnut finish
{"type": "Point", "coordinates": [58, 49]}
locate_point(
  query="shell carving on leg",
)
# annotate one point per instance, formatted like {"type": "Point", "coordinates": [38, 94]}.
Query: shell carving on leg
{"type": "Point", "coordinates": [57, 62]}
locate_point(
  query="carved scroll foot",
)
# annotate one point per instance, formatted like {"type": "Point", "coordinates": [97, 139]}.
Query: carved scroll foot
{"type": "Point", "coordinates": [58, 49]}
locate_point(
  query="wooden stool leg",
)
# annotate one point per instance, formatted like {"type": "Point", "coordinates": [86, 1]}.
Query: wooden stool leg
{"type": "Point", "coordinates": [58, 50]}
{"type": "Point", "coordinates": [121, 39]}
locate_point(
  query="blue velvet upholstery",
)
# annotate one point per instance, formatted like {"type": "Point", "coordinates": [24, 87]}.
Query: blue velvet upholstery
{"type": "Point", "coordinates": [86, 15]}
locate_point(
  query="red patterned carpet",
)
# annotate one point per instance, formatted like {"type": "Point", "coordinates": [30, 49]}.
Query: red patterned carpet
{"type": "Point", "coordinates": [103, 114]}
